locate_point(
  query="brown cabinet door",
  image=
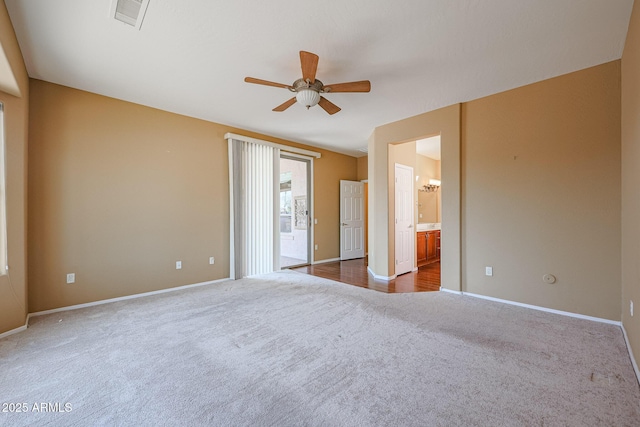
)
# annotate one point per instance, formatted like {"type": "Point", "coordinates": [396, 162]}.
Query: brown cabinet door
{"type": "Point", "coordinates": [421, 248]}
{"type": "Point", "coordinates": [431, 246]}
{"type": "Point", "coordinates": [438, 235]}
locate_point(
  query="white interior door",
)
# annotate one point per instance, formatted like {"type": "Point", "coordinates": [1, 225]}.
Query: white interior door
{"type": "Point", "coordinates": [404, 230]}
{"type": "Point", "coordinates": [351, 219]}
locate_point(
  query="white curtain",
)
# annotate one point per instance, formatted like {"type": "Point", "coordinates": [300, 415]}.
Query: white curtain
{"type": "Point", "coordinates": [254, 178]}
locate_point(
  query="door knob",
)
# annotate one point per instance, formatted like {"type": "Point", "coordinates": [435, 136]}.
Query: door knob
{"type": "Point", "coordinates": [344, 224]}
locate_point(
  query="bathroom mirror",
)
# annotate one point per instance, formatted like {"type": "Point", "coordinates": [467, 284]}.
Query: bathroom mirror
{"type": "Point", "coordinates": [428, 206]}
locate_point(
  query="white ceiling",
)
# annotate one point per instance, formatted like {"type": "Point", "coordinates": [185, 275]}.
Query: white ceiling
{"type": "Point", "coordinates": [190, 57]}
{"type": "Point", "coordinates": [429, 147]}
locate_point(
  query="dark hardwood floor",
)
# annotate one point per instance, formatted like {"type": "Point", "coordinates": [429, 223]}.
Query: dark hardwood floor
{"type": "Point", "coordinates": [354, 272]}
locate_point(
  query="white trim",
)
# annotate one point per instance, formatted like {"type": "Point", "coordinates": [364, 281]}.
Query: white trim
{"type": "Point", "coordinates": [124, 298]}
{"type": "Point", "coordinates": [385, 278]}
{"type": "Point", "coordinates": [105, 301]}
{"type": "Point", "coordinates": [633, 360]}
{"type": "Point", "coordinates": [16, 330]}
{"type": "Point", "coordinates": [414, 269]}
{"type": "Point", "coordinates": [282, 147]}
{"type": "Point", "coordinates": [562, 313]}
{"type": "Point", "coordinates": [548, 310]}
{"type": "Point", "coordinates": [451, 291]}
{"type": "Point", "coordinates": [297, 156]}
{"type": "Point", "coordinates": [324, 261]}
{"type": "Point", "coordinates": [364, 181]}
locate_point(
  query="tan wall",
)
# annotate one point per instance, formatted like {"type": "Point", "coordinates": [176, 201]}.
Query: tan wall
{"type": "Point", "coordinates": [119, 192]}
{"type": "Point", "coordinates": [13, 287]}
{"type": "Point", "coordinates": [541, 191]}
{"type": "Point", "coordinates": [328, 171]}
{"type": "Point", "coordinates": [446, 123]}
{"type": "Point", "coordinates": [630, 180]}
{"type": "Point", "coordinates": [363, 168]}
{"type": "Point", "coordinates": [540, 213]}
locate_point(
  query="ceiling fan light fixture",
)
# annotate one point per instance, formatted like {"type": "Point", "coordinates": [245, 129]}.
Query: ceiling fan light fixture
{"type": "Point", "coordinates": [308, 97]}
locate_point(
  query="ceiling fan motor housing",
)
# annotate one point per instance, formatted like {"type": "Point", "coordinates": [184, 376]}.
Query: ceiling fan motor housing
{"type": "Point", "coordinates": [307, 93]}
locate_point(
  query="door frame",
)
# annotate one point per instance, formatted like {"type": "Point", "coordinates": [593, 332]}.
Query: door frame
{"type": "Point", "coordinates": [310, 216]}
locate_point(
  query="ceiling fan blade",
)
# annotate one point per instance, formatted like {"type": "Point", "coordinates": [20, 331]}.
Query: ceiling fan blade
{"type": "Point", "coordinates": [309, 62]}
{"type": "Point", "coordinates": [361, 86]}
{"type": "Point", "coordinates": [265, 82]}
{"type": "Point", "coordinates": [285, 105]}
{"type": "Point", "coordinates": [328, 106]}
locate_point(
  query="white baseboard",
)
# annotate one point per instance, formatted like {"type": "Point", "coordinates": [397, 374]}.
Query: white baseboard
{"type": "Point", "coordinates": [633, 360]}
{"type": "Point", "coordinates": [16, 330]}
{"type": "Point", "coordinates": [124, 298]}
{"type": "Point", "coordinates": [548, 310]}
{"type": "Point", "coordinates": [385, 278]}
{"type": "Point", "coordinates": [563, 313]}
{"type": "Point", "coordinates": [324, 261]}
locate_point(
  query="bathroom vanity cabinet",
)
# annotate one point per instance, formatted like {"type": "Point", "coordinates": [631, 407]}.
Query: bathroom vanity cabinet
{"type": "Point", "coordinates": [428, 247]}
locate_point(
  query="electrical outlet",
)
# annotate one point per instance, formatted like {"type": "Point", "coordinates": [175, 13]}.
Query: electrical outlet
{"type": "Point", "coordinates": [316, 247]}
{"type": "Point", "coordinates": [631, 307]}
{"type": "Point", "coordinates": [488, 271]}
{"type": "Point", "coordinates": [178, 265]}
{"type": "Point", "coordinates": [212, 260]}
{"type": "Point", "coordinates": [315, 220]}
{"type": "Point", "coordinates": [71, 278]}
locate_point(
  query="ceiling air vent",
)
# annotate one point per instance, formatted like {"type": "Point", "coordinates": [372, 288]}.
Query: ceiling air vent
{"type": "Point", "coordinates": [130, 12]}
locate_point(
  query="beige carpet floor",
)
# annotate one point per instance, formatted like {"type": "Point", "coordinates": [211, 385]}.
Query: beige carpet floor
{"type": "Point", "coordinates": [289, 349]}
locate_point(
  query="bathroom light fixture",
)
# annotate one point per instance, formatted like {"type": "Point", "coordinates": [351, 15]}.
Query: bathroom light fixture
{"type": "Point", "coordinates": [434, 185]}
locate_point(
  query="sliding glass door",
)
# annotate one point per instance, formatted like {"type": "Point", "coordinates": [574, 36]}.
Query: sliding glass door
{"type": "Point", "coordinates": [270, 195]}
{"type": "Point", "coordinates": [294, 222]}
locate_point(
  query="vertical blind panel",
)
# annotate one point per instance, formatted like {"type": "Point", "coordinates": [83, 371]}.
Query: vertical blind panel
{"type": "Point", "coordinates": [258, 211]}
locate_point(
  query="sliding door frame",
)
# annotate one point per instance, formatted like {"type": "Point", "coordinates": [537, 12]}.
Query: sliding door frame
{"type": "Point", "coordinates": [293, 152]}
{"type": "Point", "coordinates": [310, 218]}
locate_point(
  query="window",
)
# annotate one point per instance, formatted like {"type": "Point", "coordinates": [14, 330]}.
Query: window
{"type": "Point", "coordinates": [3, 217]}
{"type": "Point", "coordinates": [285, 202]}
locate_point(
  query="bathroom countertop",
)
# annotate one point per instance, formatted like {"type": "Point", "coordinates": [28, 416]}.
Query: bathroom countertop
{"type": "Point", "coordinates": [427, 226]}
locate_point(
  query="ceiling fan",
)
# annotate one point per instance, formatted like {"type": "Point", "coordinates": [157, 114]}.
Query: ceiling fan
{"type": "Point", "coordinates": [308, 88]}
